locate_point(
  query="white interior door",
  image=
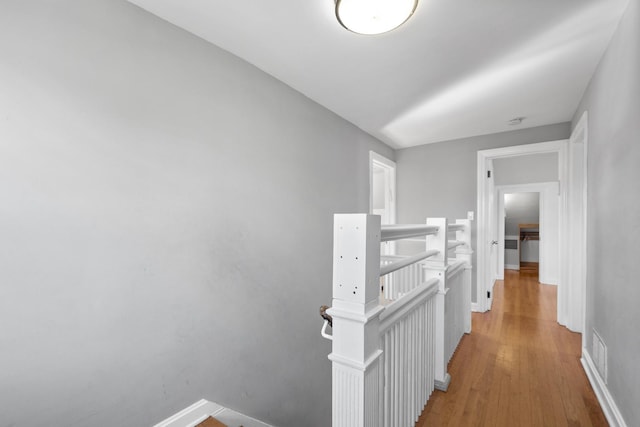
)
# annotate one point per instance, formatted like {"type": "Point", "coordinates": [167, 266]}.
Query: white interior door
{"type": "Point", "coordinates": [501, 234]}
{"type": "Point", "coordinates": [492, 234]}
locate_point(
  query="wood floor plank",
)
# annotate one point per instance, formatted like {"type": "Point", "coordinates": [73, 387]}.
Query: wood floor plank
{"type": "Point", "coordinates": [211, 422]}
{"type": "Point", "coordinates": [517, 367]}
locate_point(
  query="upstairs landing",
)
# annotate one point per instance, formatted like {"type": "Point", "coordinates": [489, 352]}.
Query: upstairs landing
{"type": "Point", "coordinates": [519, 367]}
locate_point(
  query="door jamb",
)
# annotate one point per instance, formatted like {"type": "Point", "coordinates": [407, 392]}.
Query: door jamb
{"type": "Point", "coordinates": [484, 156]}
{"type": "Point", "coordinates": [544, 190]}
{"type": "Point", "coordinates": [377, 160]}
{"type": "Point", "coordinates": [575, 267]}
{"type": "Point", "coordinates": [381, 161]}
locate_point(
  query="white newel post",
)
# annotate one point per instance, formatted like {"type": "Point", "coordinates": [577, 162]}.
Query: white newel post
{"type": "Point", "coordinates": [464, 253]}
{"type": "Point", "coordinates": [436, 267]}
{"type": "Point", "coordinates": [355, 356]}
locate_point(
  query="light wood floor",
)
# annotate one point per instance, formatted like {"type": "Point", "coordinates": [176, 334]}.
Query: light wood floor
{"type": "Point", "coordinates": [529, 267]}
{"type": "Point", "coordinates": [518, 367]}
{"type": "Point", "coordinates": [211, 422]}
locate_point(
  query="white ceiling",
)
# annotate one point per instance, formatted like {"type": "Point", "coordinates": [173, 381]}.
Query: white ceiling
{"type": "Point", "coordinates": [457, 68]}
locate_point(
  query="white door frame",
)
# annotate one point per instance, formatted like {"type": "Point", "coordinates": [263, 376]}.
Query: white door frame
{"type": "Point", "coordinates": [548, 254]}
{"type": "Point", "coordinates": [572, 312]}
{"type": "Point", "coordinates": [485, 158]}
{"type": "Point", "coordinates": [377, 160]}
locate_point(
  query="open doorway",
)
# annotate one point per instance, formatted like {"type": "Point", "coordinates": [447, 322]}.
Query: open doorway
{"type": "Point", "coordinates": [382, 196]}
{"type": "Point", "coordinates": [571, 230]}
{"type": "Point", "coordinates": [529, 249]}
{"type": "Point", "coordinates": [517, 162]}
{"type": "Point", "coordinates": [382, 173]}
{"type": "Point", "coordinates": [522, 232]}
{"type": "Point", "coordinates": [529, 214]}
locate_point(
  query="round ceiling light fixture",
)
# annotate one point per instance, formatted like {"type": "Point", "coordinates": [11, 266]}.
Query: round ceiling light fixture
{"type": "Point", "coordinates": [374, 16]}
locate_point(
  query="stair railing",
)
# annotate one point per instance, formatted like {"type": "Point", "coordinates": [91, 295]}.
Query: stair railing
{"type": "Point", "coordinates": [390, 349]}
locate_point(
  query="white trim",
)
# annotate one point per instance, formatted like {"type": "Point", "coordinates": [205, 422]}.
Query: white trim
{"type": "Point", "coordinates": [511, 267]}
{"type": "Point", "coordinates": [389, 165]}
{"type": "Point", "coordinates": [572, 306]}
{"type": "Point", "coordinates": [443, 385]}
{"type": "Point", "coordinates": [484, 158]}
{"type": "Point", "coordinates": [192, 415]}
{"type": "Point", "coordinates": [583, 123]}
{"type": "Point", "coordinates": [609, 407]}
{"type": "Point", "coordinates": [203, 409]}
{"type": "Point", "coordinates": [523, 150]}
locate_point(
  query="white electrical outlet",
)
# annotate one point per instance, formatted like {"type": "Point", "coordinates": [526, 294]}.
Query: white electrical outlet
{"type": "Point", "coordinates": [470, 215]}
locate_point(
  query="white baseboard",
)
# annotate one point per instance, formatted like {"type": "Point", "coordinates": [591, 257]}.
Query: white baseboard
{"type": "Point", "coordinates": [203, 409]}
{"type": "Point", "coordinates": [192, 415]}
{"type": "Point", "coordinates": [443, 385]}
{"type": "Point", "coordinates": [512, 267]}
{"type": "Point", "coordinates": [609, 407]}
{"type": "Point", "coordinates": [476, 308]}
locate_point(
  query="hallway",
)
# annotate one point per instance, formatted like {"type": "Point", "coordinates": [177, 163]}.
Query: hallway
{"type": "Point", "coordinates": [518, 367]}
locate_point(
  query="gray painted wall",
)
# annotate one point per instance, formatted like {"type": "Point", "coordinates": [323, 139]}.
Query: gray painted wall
{"type": "Point", "coordinates": [526, 169]}
{"type": "Point", "coordinates": [166, 222]}
{"type": "Point", "coordinates": [613, 221]}
{"type": "Point", "coordinates": [437, 180]}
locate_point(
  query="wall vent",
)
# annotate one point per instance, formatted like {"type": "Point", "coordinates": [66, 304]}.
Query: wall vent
{"type": "Point", "coordinates": [599, 355]}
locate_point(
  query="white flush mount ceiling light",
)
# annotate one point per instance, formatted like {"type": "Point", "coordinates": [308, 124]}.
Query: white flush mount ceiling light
{"type": "Point", "coordinates": [374, 16]}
